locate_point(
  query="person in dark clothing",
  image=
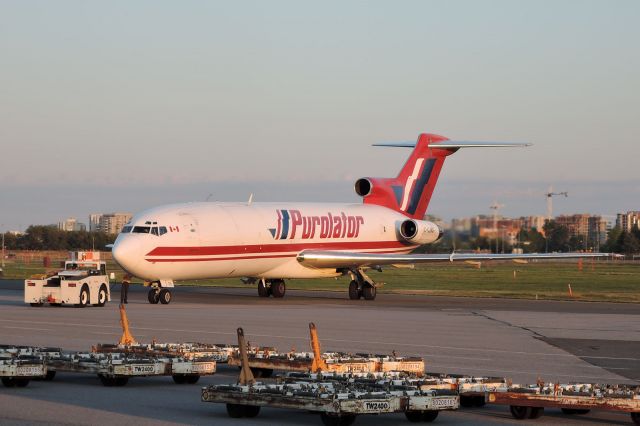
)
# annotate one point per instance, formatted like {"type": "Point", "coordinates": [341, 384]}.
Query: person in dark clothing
{"type": "Point", "coordinates": [124, 288]}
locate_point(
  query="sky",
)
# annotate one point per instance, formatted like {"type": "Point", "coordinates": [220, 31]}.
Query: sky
{"type": "Point", "coordinates": [123, 105]}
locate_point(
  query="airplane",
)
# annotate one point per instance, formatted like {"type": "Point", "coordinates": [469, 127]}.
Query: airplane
{"type": "Point", "coordinates": [266, 243]}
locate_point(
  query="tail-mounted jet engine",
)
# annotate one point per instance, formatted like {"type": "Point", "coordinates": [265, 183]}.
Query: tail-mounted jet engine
{"type": "Point", "coordinates": [415, 231]}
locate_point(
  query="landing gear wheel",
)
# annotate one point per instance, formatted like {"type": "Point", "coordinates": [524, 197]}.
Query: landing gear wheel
{"type": "Point", "coordinates": [263, 290]}
{"type": "Point", "coordinates": [278, 288]}
{"type": "Point", "coordinates": [84, 297]}
{"type": "Point", "coordinates": [102, 296]}
{"type": "Point", "coordinates": [164, 296]}
{"type": "Point", "coordinates": [354, 291]}
{"type": "Point", "coordinates": [153, 296]}
{"type": "Point", "coordinates": [36, 305]}
{"type": "Point", "coordinates": [520, 412]}
{"type": "Point", "coordinates": [369, 292]}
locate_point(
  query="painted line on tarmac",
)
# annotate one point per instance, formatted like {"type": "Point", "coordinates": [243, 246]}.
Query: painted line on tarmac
{"type": "Point", "coordinates": [27, 328]}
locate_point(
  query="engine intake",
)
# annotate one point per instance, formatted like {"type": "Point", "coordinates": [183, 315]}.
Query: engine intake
{"type": "Point", "coordinates": [363, 187]}
{"type": "Point", "coordinates": [419, 231]}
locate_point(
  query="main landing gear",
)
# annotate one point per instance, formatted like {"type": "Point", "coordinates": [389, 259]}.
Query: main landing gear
{"type": "Point", "coordinates": [361, 286]}
{"type": "Point", "coordinates": [159, 294]}
{"type": "Point", "coordinates": [275, 288]}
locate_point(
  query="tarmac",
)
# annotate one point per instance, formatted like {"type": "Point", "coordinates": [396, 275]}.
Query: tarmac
{"type": "Point", "coordinates": [521, 339]}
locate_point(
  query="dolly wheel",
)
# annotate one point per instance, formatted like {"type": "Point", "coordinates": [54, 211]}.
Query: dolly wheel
{"type": "Point", "coordinates": [8, 382]}
{"type": "Point", "coordinates": [251, 411]}
{"type": "Point", "coordinates": [36, 305]}
{"type": "Point", "coordinates": [413, 416]}
{"type": "Point", "coordinates": [429, 415]}
{"type": "Point", "coordinates": [192, 379]}
{"type": "Point", "coordinates": [179, 379]}
{"type": "Point", "coordinates": [520, 412]}
{"type": "Point", "coordinates": [21, 382]}
{"type": "Point", "coordinates": [235, 411]}
{"type": "Point", "coordinates": [50, 375]}
{"type": "Point", "coordinates": [354, 291]}
{"type": "Point", "coordinates": [337, 419]}
{"type": "Point", "coordinates": [635, 417]}
{"type": "Point", "coordinates": [106, 380]}
{"type": "Point", "coordinates": [536, 412]}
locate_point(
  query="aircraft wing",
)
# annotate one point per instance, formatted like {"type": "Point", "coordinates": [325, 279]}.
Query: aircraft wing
{"type": "Point", "coordinates": [341, 259]}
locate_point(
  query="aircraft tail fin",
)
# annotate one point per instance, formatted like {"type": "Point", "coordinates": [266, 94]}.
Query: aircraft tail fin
{"type": "Point", "coordinates": [411, 191]}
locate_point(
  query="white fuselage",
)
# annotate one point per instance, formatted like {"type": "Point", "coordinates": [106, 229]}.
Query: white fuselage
{"type": "Point", "coordinates": [260, 240]}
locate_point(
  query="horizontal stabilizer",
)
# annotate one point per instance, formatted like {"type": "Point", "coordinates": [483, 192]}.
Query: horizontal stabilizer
{"type": "Point", "coordinates": [457, 144]}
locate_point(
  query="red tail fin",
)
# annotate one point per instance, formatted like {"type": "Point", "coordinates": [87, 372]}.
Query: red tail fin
{"type": "Point", "coordinates": [410, 192]}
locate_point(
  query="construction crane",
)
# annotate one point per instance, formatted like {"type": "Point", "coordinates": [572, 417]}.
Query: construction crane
{"type": "Point", "coordinates": [496, 208]}
{"type": "Point", "coordinates": [550, 194]}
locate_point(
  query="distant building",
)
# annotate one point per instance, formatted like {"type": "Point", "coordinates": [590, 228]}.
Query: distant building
{"type": "Point", "coordinates": [71, 224]}
{"type": "Point", "coordinates": [110, 223]}
{"type": "Point", "coordinates": [592, 228]}
{"type": "Point", "coordinates": [627, 221]}
{"type": "Point", "coordinates": [94, 221]}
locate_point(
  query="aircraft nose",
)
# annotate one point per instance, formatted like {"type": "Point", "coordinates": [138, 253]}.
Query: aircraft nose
{"type": "Point", "coordinates": [126, 252]}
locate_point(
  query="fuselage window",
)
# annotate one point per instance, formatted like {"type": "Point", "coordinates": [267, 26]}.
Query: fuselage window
{"type": "Point", "coordinates": [154, 230]}
{"type": "Point", "coordinates": [126, 230]}
{"type": "Point", "coordinates": [141, 229]}
{"type": "Point", "coordinates": [162, 230]}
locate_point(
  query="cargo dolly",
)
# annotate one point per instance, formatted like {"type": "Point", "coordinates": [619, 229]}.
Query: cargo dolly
{"type": "Point", "coordinates": [529, 401]}
{"type": "Point", "coordinates": [263, 362]}
{"type": "Point", "coordinates": [337, 401]}
{"type": "Point", "coordinates": [18, 367]}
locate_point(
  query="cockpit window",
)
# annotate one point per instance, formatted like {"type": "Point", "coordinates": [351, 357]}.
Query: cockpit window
{"type": "Point", "coordinates": [154, 230]}
{"type": "Point", "coordinates": [126, 230]}
{"type": "Point", "coordinates": [162, 230]}
{"type": "Point", "coordinates": [141, 229]}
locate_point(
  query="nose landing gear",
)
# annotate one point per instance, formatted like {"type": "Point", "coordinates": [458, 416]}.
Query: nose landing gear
{"type": "Point", "coordinates": [158, 293]}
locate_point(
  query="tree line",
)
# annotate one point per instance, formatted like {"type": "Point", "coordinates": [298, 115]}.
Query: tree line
{"type": "Point", "coordinates": [49, 237]}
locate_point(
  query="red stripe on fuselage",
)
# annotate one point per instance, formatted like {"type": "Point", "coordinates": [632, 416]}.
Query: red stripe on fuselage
{"type": "Point", "coordinates": [273, 248]}
{"type": "Point", "coordinates": [273, 256]}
